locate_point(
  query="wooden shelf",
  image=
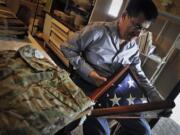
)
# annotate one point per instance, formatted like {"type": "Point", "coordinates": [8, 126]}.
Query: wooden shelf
{"type": "Point", "coordinates": [56, 33]}
{"type": "Point", "coordinates": [29, 3]}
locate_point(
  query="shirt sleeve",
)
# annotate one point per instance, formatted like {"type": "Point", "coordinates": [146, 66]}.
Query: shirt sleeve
{"type": "Point", "coordinates": [151, 91]}
{"type": "Point", "coordinates": [74, 48]}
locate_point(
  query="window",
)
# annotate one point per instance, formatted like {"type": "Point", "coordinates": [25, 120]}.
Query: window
{"type": "Point", "coordinates": [115, 7]}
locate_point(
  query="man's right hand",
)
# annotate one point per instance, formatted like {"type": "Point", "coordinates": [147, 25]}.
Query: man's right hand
{"type": "Point", "coordinates": [99, 79]}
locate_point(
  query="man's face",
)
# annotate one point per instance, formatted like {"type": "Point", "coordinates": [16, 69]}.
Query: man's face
{"type": "Point", "coordinates": [131, 27]}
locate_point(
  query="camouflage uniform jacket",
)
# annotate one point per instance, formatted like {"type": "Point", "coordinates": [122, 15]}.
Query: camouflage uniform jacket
{"type": "Point", "coordinates": [36, 97]}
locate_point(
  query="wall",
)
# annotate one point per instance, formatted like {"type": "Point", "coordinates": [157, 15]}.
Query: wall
{"type": "Point", "coordinates": [172, 8]}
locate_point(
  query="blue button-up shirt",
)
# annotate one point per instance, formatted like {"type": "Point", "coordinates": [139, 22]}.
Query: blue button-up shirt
{"type": "Point", "coordinates": [98, 47]}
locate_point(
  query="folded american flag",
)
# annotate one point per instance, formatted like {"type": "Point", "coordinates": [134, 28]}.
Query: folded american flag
{"type": "Point", "coordinates": [125, 92]}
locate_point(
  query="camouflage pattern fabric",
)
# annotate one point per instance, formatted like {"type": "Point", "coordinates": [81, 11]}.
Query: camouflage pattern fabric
{"type": "Point", "coordinates": [36, 97]}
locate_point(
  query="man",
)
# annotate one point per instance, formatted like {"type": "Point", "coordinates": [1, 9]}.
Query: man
{"type": "Point", "coordinates": [100, 49]}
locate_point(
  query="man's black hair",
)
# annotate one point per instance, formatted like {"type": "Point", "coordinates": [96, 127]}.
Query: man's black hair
{"type": "Point", "coordinates": [145, 7]}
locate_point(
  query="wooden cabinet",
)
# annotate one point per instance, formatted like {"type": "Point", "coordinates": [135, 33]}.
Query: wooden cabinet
{"type": "Point", "coordinates": [74, 13]}
{"type": "Point", "coordinates": [55, 34]}
{"type": "Point", "coordinates": [57, 27]}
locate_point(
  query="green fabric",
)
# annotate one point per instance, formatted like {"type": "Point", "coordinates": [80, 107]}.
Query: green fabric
{"type": "Point", "coordinates": [35, 96]}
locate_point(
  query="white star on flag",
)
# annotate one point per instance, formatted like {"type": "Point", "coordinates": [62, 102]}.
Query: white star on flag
{"type": "Point", "coordinates": [130, 100]}
{"type": "Point", "coordinates": [115, 100]}
{"type": "Point", "coordinates": [99, 104]}
{"type": "Point", "coordinates": [119, 85]}
{"type": "Point", "coordinates": [131, 83]}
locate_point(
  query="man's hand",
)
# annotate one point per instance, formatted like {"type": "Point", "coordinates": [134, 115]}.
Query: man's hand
{"type": "Point", "coordinates": [165, 113]}
{"type": "Point", "coordinates": [99, 79]}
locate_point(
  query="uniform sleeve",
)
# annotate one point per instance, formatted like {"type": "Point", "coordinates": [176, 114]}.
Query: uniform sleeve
{"type": "Point", "coordinates": [151, 91]}
{"type": "Point", "coordinates": [74, 48]}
